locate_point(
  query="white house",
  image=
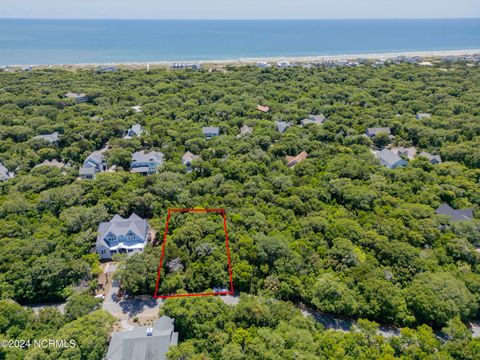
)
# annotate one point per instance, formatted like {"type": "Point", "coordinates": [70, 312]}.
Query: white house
{"type": "Point", "coordinates": [94, 163]}
{"type": "Point", "coordinates": [121, 235]}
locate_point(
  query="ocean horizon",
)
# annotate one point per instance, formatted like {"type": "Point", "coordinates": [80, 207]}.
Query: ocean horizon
{"type": "Point", "coordinates": [54, 41]}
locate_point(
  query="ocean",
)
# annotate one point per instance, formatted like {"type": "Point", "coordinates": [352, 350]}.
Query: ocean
{"type": "Point", "coordinates": [26, 42]}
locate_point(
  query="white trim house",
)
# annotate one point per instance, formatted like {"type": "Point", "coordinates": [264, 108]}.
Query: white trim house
{"type": "Point", "coordinates": [119, 235]}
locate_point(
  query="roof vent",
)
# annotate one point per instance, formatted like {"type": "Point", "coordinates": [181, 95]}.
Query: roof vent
{"type": "Point", "coordinates": [149, 331]}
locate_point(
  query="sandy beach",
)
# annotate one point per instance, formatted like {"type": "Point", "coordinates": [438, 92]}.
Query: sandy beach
{"type": "Point", "coordinates": [426, 55]}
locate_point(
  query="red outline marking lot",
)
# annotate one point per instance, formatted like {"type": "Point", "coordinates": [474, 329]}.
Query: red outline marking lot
{"type": "Point", "coordinates": [159, 270]}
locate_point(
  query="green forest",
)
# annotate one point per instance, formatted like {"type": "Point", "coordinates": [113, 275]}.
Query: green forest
{"type": "Point", "coordinates": [338, 233]}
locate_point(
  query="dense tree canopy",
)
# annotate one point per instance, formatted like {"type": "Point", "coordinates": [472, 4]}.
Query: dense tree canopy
{"type": "Point", "coordinates": [337, 232]}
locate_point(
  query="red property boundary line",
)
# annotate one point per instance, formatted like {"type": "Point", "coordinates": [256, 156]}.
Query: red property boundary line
{"type": "Point", "coordinates": [159, 270]}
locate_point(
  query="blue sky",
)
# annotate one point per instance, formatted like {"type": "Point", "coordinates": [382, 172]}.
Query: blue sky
{"type": "Point", "coordinates": [239, 9]}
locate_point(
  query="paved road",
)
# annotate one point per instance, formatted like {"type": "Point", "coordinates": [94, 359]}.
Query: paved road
{"type": "Point", "coordinates": [129, 308]}
{"type": "Point", "coordinates": [343, 324]}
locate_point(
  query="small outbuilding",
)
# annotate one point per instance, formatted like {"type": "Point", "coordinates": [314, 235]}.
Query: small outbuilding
{"type": "Point", "coordinates": [294, 160]}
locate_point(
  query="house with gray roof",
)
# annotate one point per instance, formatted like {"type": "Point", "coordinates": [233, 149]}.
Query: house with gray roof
{"type": "Point", "coordinates": [282, 126]}
{"type": "Point", "coordinates": [389, 159]}
{"type": "Point", "coordinates": [372, 132]}
{"type": "Point", "coordinates": [135, 130]}
{"type": "Point", "coordinates": [434, 159]}
{"type": "Point", "coordinates": [421, 116]}
{"type": "Point", "coordinates": [144, 342]}
{"type": "Point", "coordinates": [121, 235]}
{"type": "Point", "coordinates": [52, 138]}
{"type": "Point", "coordinates": [146, 163]}
{"type": "Point", "coordinates": [455, 215]}
{"type": "Point", "coordinates": [93, 164]}
{"type": "Point", "coordinates": [82, 97]}
{"type": "Point", "coordinates": [5, 174]}
{"type": "Point", "coordinates": [245, 129]}
{"type": "Point", "coordinates": [314, 119]}
{"type": "Point", "coordinates": [408, 152]}
{"type": "Point", "coordinates": [211, 131]}
{"type": "Point", "coordinates": [188, 158]}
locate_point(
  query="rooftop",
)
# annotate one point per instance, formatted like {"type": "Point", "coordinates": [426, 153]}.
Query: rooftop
{"type": "Point", "coordinates": [211, 130]}
{"type": "Point", "coordinates": [455, 215]}
{"type": "Point", "coordinates": [53, 137]}
{"type": "Point", "coordinates": [282, 126]}
{"type": "Point", "coordinates": [54, 163]}
{"type": "Point", "coordinates": [188, 157]}
{"type": "Point", "coordinates": [120, 226]}
{"type": "Point", "coordinates": [135, 130]}
{"type": "Point", "coordinates": [263, 108]}
{"type": "Point", "coordinates": [96, 157]}
{"type": "Point", "coordinates": [314, 119]}
{"type": "Point", "coordinates": [151, 156]}
{"type": "Point", "coordinates": [294, 160]}
{"type": "Point", "coordinates": [434, 159]}
{"type": "Point", "coordinates": [143, 342]}
{"type": "Point", "coordinates": [245, 130]}
{"type": "Point", "coordinates": [424, 116]}
{"type": "Point", "coordinates": [374, 131]}
{"type": "Point", "coordinates": [72, 95]}
{"type": "Point", "coordinates": [388, 156]}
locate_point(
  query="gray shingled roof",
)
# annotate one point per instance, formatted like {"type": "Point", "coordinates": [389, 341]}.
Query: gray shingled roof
{"type": "Point", "coordinates": [376, 130]}
{"type": "Point", "coordinates": [314, 119]}
{"type": "Point", "coordinates": [96, 157]}
{"type": "Point", "coordinates": [188, 157]}
{"type": "Point", "coordinates": [121, 226]}
{"type": "Point", "coordinates": [135, 130]}
{"type": "Point", "coordinates": [245, 129]}
{"type": "Point", "coordinates": [71, 95]}
{"type": "Point", "coordinates": [87, 170]}
{"type": "Point", "coordinates": [211, 130]}
{"type": "Point", "coordinates": [456, 215]}
{"type": "Point", "coordinates": [389, 157]}
{"type": "Point", "coordinates": [282, 126]}
{"type": "Point", "coordinates": [430, 157]}
{"type": "Point", "coordinates": [136, 345]}
{"type": "Point", "coordinates": [144, 157]}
